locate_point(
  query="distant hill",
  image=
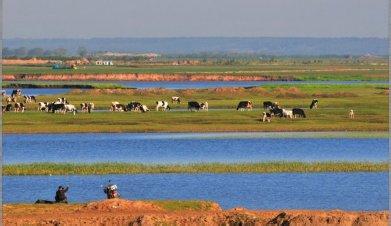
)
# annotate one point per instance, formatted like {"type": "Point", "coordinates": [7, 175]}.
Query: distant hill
{"type": "Point", "coordinates": [267, 46]}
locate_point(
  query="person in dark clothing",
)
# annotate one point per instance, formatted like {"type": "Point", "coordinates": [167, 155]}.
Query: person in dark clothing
{"type": "Point", "coordinates": [60, 195]}
{"type": "Point", "coordinates": [111, 191]}
{"type": "Point", "coordinates": [59, 198]}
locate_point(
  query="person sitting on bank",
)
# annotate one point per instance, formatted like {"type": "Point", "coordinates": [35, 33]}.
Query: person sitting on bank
{"type": "Point", "coordinates": [59, 198]}
{"type": "Point", "coordinates": [60, 195]}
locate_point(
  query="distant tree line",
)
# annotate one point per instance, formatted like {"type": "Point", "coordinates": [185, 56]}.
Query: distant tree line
{"type": "Point", "coordinates": [23, 52]}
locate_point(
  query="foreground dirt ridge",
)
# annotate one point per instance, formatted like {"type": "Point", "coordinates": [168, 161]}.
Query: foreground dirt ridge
{"type": "Point", "coordinates": [124, 212]}
{"type": "Point", "coordinates": [146, 77]}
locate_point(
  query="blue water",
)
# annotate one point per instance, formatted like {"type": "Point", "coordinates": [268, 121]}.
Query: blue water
{"type": "Point", "coordinates": [348, 191]}
{"type": "Point", "coordinates": [40, 91]}
{"type": "Point", "coordinates": [186, 148]}
{"type": "Point", "coordinates": [193, 85]}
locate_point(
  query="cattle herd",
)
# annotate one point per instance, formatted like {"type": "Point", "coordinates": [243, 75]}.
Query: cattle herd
{"type": "Point", "coordinates": [62, 105]}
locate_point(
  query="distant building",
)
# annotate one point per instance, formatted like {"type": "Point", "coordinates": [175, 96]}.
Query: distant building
{"type": "Point", "coordinates": [104, 62]}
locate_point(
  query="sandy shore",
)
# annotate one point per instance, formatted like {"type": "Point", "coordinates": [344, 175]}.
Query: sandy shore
{"type": "Point", "coordinates": [125, 212]}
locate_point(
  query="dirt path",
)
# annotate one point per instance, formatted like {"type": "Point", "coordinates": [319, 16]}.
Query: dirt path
{"type": "Point", "coordinates": [124, 212]}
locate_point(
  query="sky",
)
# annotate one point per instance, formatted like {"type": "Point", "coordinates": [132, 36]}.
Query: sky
{"type": "Point", "coordinates": [194, 18]}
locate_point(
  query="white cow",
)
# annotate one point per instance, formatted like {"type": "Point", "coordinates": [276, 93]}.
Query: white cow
{"type": "Point", "coordinates": [70, 108]}
{"type": "Point", "coordinates": [162, 104]}
{"type": "Point", "coordinates": [287, 113]}
{"type": "Point", "coordinates": [176, 100]}
{"type": "Point", "coordinates": [144, 108]}
{"type": "Point", "coordinates": [351, 114]}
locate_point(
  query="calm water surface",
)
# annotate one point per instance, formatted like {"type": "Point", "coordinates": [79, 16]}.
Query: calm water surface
{"type": "Point", "coordinates": [348, 191]}
{"type": "Point", "coordinates": [187, 148]}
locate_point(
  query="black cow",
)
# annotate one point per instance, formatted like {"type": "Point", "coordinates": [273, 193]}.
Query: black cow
{"type": "Point", "coordinates": [314, 104]}
{"type": "Point", "coordinates": [245, 105]}
{"type": "Point", "coordinates": [193, 105]}
{"type": "Point", "coordinates": [134, 106]}
{"type": "Point", "coordinates": [299, 112]}
{"type": "Point", "coordinates": [56, 107]}
{"type": "Point", "coordinates": [269, 105]}
{"type": "Point", "coordinates": [277, 111]}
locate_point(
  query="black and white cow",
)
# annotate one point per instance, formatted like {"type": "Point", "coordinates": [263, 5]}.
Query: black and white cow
{"type": "Point", "coordinates": [16, 93]}
{"type": "Point", "coordinates": [267, 105]}
{"type": "Point", "coordinates": [8, 107]}
{"type": "Point", "coordinates": [55, 107]}
{"type": "Point", "coordinates": [134, 106]}
{"type": "Point", "coordinates": [277, 111]}
{"type": "Point", "coordinates": [43, 106]}
{"type": "Point", "coordinates": [204, 106]}
{"type": "Point", "coordinates": [87, 107]}
{"type": "Point", "coordinates": [314, 104]}
{"type": "Point", "coordinates": [266, 117]}
{"type": "Point", "coordinates": [287, 113]}
{"type": "Point", "coordinates": [193, 105]}
{"type": "Point", "coordinates": [176, 100]}
{"type": "Point", "coordinates": [298, 112]}
{"type": "Point", "coordinates": [29, 99]}
{"type": "Point", "coordinates": [162, 104]}
{"type": "Point", "coordinates": [19, 107]}
{"type": "Point", "coordinates": [244, 105]}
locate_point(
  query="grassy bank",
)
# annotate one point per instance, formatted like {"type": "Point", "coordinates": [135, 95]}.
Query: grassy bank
{"type": "Point", "coordinates": [370, 103]}
{"type": "Point", "coordinates": [64, 85]}
{"type": "Point", "coordinates": [135, 168]}
{"type": "Point", "coordinates": [311, 72]}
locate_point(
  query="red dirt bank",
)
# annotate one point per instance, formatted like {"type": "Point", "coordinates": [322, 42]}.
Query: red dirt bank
{"type": "Point", "coordinates": [145, 77]}
{"type": "Point", "coordinates": [124, 212]}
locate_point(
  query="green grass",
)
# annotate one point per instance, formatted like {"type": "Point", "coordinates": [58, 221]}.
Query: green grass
{"type": "Point", "coordinates": [314, 72]}
{"type": "Point", "coordinates": [137, 168]}
{"type": "Point", "coordinates": [181, 205]}
{"type": "Point", "coordinates": [70, 85]}
{"type": "Point", "coordinates": [370, 103]}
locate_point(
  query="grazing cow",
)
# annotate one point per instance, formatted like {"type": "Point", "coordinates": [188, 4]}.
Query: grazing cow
{"type": "Point", "coordinates": [70, 108]}
{"type": "Point", "coordinates": [6, 108]}
{"type": "Point", "coordinates": [193, 105]}
{"type": "Point", "coordinates": [29, 99]}
{"type": "Point", "coordinates": [19, 107]}
{"type": "Point", "coordinates": [298, 112]}
{"type": "Point", "coordinates": [55, 107]}
{"type": "Point", "coordinates": [314, 104]}
{"type": "Point", "coordinates": [245, 105]}
{"type": "Point", "coordinates": [277, 111]}
{"type": "Point", "coordinates": [266, 117]}
{"type": "Point", "coordinates": [144, 108]}
{"type": "Point", "coordinates": [16, 93]}
{"type": "Point", "coordinates": [87, 107]}
{"type": "Point", "coordinates": [351, 114]}
{"type": "Point", "coordinates": [267, 105]}
{"type": "Point", "coordinates": [162, 104]}
{"type": "Point", "coordinates": [120, 107]}
{"type": "Point", "coordinates": [204, 106]}
{"type": "Point", "coordinates": [43, 106]}
{"type": "Point", "coordinates": [134, 106]}
{"type": "Point", "coordinates": [287, 113]}
{"type": "Point", "coordinates": [113, 106]}
{"type": "Point", "coordinates": [175, 100]}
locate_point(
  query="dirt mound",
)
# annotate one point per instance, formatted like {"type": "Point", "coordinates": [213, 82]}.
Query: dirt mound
{"type": "Point", "coordinates": [126, 212]}
{"type": "Point", "coordinates": [121, 204]}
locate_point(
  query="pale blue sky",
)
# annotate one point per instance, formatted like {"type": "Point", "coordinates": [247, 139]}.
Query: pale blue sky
{"type": "Point", "coordinates": [194, 18]}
